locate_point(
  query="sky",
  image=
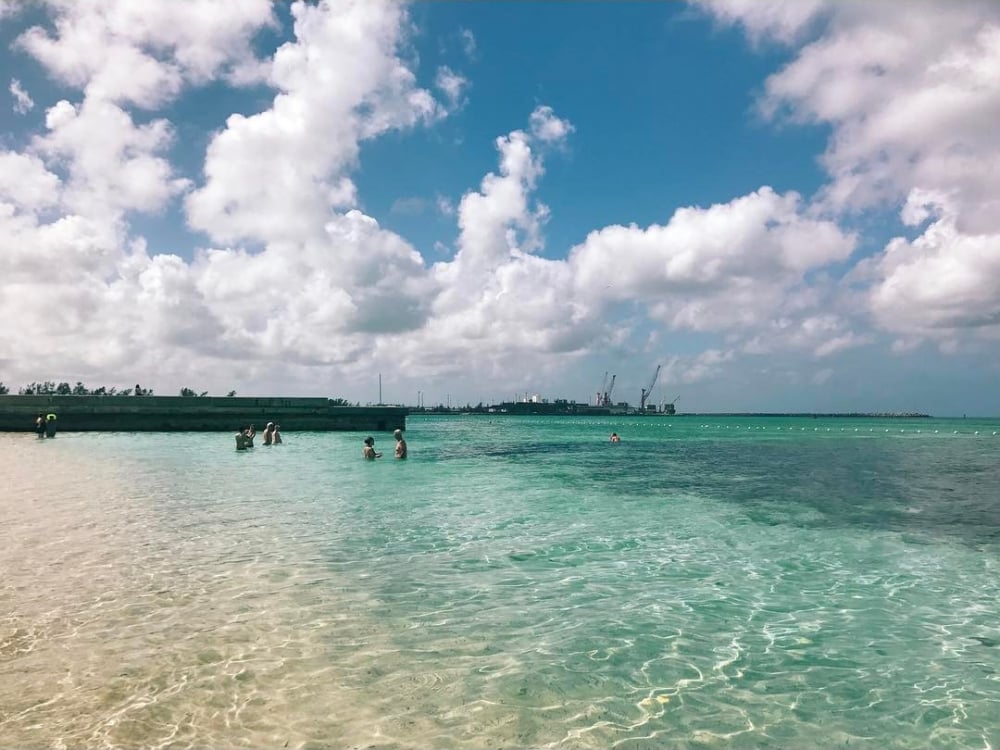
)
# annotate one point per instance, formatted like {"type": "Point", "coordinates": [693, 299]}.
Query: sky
{"type": "Point", "coordinates": [786, 206]}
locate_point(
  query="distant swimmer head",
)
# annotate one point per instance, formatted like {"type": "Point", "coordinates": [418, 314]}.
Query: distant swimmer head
{"type": "Point", "coordinates": [369, 441]}
{"type": "Point", "coordinates": [269, 425]}
{"type": "Point", "coordinates": [397, 434]}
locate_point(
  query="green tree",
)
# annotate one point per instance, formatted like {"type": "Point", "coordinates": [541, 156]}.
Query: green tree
{"type": "Point", "coordinates": [231, 394]}
{"type": "Point", "coordinates": [187, 393]}
{"type": "Point", "coordinates": [64, 389]}
{"type": "Point", "coordinates": [4, 390]}
{"type": "Point", "coordinates": [80, 389]}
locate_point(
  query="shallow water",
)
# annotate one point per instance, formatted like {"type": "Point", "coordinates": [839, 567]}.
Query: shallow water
{"type": "Point", "coordinates": [519, 582]}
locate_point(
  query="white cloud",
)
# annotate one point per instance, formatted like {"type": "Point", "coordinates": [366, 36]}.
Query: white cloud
{"type": "Point", "coordinates": [943, 281]}
{"type": "Point", "coordinates": [729, 266]}
{"type": "Point", "coordinates": [468, 43]}
{"type": "Point", "coordinates": [144, 53]}
{"type": "Point", "coordinates": [277, 175]}
{"type": "Point", "coordinates": [445, 206]}
{"type": "Point", "coordinates": [22, 102]}
{"type": "Point", "coordinates": [695, 368]}
{"type": "Point", "coordinates": [495, 289]}
{"type": "Point", "coordinates": [409, 206]}
{"type": "Point", "coordinates": [548, 128]}
{"type": "Point", "coordinates": [913, 100]}
{"type": "Point", "coordinates": [111, 163]}
{"type": "Point", "coordinates": [26, 183]}
{"type": "Point", "coordinates": [451, 84]}
{"type": "Point", "coordinates": [777, 19]}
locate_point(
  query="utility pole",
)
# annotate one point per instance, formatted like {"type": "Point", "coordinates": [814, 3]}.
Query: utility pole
{"type": "Point", "coordinates": [380, 389]}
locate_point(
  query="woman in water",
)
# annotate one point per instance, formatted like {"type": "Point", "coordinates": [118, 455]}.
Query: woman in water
{"type": "Point", "coordinates": [369, 450]}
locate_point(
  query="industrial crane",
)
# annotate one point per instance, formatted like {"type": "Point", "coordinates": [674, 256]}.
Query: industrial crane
{"type": "Point", "coordinates": [649, 389]}
{"type": "Point", "coordinates": [604, 395]}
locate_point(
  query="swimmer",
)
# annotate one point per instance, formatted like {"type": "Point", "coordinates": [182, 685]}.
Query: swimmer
{"type": "Point", "coordinates": [276, 435]}
{"type": "Point", "coordinates": [400, 444]}
{"type": "Point", "coordinates": [369, 450]}
{"type": "Point", "coordinates": [615, 438]}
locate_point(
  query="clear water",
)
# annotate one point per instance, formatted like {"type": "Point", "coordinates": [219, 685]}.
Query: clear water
{"type": "Point", "coordinates": [519, 582]}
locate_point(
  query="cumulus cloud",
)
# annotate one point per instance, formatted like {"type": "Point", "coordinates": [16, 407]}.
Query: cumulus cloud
{"type": "Point", "coordinates": [112, 164]}
{"type": "Point", "coordinates": [295, 276]}
{"type": "Point", "coordinates": [22, 102]}
{"type": "Point", "coordinates": [913, 100]}
{"type": "Point", "coordinates": [144, 53]}
{"type": "Point", "coordinates": [497, 289]}
{"type": "Point", "coordinates": [277, 175]}
{"type": "Point", "coordinates": [729, 266]}
{"type": "Point", "coordinates": [942, 281]}
{"type": "Point", "coordinates": [318, 298]}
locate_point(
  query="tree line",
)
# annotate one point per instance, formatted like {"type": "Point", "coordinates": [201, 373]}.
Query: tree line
{"type": "Point", "coordinates": [51, 388]}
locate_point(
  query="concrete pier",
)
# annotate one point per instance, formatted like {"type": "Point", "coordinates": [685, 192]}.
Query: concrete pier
{"type": "Point", "coordinates": [194, 414]}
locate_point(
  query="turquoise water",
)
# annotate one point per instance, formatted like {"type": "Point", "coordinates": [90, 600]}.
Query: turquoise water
{"type": "Point", "coordinates": [519, 582]}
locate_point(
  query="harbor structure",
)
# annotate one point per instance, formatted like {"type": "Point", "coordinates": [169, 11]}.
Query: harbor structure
{"type": "Point", "coordinates": [195, 414]}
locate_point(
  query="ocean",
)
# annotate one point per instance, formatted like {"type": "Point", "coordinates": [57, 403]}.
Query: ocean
{"type": "Point", "coordinates": [519, 582]}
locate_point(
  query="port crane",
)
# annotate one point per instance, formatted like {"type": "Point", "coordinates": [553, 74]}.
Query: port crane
{"type": "Point", "coordinates": [670, 407]}
{"type": "Point", "coordinates": [604, 395]}
{"type": "Point", "coordinates": [607, 393]}
{"type": "Point", "coordinates": [648, 389]}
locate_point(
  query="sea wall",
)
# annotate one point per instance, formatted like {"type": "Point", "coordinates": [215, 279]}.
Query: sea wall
{"type": "Point", "coordinates": [190, 414]}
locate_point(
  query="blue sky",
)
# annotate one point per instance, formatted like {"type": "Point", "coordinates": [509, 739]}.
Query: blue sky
{"type": "Point", "coordinates": [478, 200]}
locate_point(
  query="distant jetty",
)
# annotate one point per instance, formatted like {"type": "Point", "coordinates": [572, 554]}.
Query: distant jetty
{"type": "Point", "coordinates": [810, 415]}
{"type": "Point", "coordinates": [194, 414]}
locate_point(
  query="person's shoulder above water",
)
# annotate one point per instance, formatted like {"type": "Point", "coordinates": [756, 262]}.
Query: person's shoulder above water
{"type": "Point", "coordinates": [615, 438]}
{"type": "Point", "coordinates": [368, 451]}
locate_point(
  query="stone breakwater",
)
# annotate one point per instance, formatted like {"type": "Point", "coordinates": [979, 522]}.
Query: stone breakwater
{"type": "Point", "coordinates": [194, 414]}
